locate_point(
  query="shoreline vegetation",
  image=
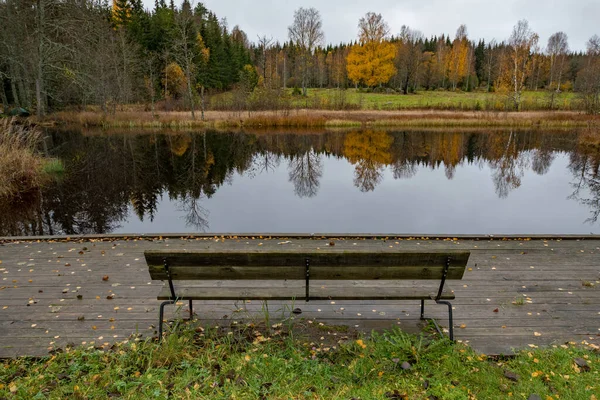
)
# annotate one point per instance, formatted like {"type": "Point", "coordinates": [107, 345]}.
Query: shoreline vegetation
{"type": "Point", "coordinates": [303, 359]}
{"type": "Point", "coordinates": [23, 168]}
{"type": "Point", "coordinates": [323, 119]}
{"type": "Point", "coordinates": [323, 109]}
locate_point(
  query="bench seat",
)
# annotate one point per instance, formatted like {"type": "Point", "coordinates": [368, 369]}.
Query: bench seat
{"type": "Point", "coordinates": [299, 293]}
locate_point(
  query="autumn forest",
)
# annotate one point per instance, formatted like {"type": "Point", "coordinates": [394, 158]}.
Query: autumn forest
{"type": "Point", "coordinates": [64, 54]}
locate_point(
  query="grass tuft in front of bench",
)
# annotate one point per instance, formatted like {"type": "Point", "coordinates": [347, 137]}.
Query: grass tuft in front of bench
{"type": "Point", "coordinates": [294, 267]}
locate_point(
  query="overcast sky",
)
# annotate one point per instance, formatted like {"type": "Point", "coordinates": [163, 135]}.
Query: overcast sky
{"type": "Point", "coordinates": [580, 19]}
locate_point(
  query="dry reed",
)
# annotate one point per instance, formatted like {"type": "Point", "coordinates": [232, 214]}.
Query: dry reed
{"type": "Point", "coordinates": [21, 167]}
{"type": "Point", "coordinates": [326, 119]}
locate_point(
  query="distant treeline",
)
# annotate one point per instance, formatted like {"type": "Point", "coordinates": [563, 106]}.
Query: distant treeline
{"type": "Point", "coordinates": [55, 53]}
{"type": "Point", "coordinates": [59, 53]}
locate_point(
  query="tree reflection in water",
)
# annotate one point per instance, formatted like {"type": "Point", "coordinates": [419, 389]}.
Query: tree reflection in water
{"type": "Point", "coordinates": [585, 166]}
{"type": "Point", "coordinates": [264, 162]}
{"type": "Point", "coordinates": [112, 176]}
{"type": "Point", "coordinates": [369, 151]}
{"type": "Point", "coordinates": [305, 172]}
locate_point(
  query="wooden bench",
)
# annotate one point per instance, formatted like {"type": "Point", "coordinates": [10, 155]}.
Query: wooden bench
{"type": "Point", "coordinates": [307, 266]}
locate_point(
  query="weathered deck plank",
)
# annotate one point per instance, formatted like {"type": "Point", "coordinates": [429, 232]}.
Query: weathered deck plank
{"type": "Point", "coordinates": [557, 280]}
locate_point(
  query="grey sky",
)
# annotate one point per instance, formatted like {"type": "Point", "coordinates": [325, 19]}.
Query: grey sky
{"type": "Point", "coordinates": [580, 19]}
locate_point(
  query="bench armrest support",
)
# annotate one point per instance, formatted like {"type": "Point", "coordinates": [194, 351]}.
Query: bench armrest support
{"type": "Point", "coordinates": [307, 275]}
{"type": "Point", "coordinates": [171, 287]}
{"type": "Point", "coordinates": [443, 281]}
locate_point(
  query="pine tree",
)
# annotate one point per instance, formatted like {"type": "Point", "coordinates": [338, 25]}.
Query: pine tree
{"type": "Point", "coordinates": [480, 61]}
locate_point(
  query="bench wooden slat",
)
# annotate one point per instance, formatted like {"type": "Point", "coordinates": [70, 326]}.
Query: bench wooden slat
{"type": "Point", "coordinates": [230, 273]}
{"type": "Point", "coordinates": [335, 265]}
{"type": "Point", "coordinates": [383, 273]}
{"type": "Point", "coordinates": [298, 293]}
{"type": "Point", "coordinates": [298, 273]}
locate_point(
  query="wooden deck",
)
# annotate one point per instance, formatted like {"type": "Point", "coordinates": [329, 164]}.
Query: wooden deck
{"type": "Point", "coordinates": [52, 292]}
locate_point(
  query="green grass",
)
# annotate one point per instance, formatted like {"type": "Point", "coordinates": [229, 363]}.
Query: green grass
{"type": "Point", "coordinates": [434, 99]}
{"type": "Point", "coordinates": [53, 167]}
{"type": "Point", "coordinates": [244, 364]}
{"type": "Point", "coordinates": [341, 123]}
{"type": "Point", "coordinates": [352, 99]}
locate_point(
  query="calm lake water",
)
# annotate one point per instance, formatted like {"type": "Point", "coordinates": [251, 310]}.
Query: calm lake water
{"type": "Point", "coordinates": [334, 182]}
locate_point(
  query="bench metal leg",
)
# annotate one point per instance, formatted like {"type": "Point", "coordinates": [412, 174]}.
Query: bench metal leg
{"type": "Point", "coordinates": [161, 313]}
{"type": "Point", "coordinates": [450, 319]}
{"type": "Point", "coordinates": [191, 311]}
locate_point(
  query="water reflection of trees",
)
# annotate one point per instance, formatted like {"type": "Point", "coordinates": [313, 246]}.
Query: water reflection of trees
{"type": "Point", "coordinates": [109, 177]}
{"type": "Point", "coordinates": [508, 163]}
{"type": "Point", "coordinates": [585, 166]}
{"type": "Point", "coordinates": [369, 151]}
{"type": "Point", "coordinates": [305, 172]}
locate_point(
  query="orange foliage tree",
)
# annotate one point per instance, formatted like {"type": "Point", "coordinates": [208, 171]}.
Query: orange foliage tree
{"type": "Point", "coordinates": [174, 81]}
{"type": "Point", "coordinates": [372, 63]}
{"type": "Point", "coordinates": [518, 62]}
{"type": "Point", "coordinates": [121, 12]}
{"type": "Point", "coordinates": [459, 58]}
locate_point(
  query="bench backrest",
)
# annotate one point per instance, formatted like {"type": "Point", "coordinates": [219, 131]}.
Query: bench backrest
{"type": "Point", "coordinates": [332, 265]}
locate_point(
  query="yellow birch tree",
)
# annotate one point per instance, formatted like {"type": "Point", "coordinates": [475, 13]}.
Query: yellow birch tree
{"type": "Point", "coordinates": [517, 62]}
{"type": "Point", "coordinates": [458, 60]}
{"type": "Point", "coordinates": [372, 63]}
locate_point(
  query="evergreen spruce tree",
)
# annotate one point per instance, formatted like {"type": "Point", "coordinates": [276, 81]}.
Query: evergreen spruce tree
{"type": "Point", "coordinates": [480, 60]}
